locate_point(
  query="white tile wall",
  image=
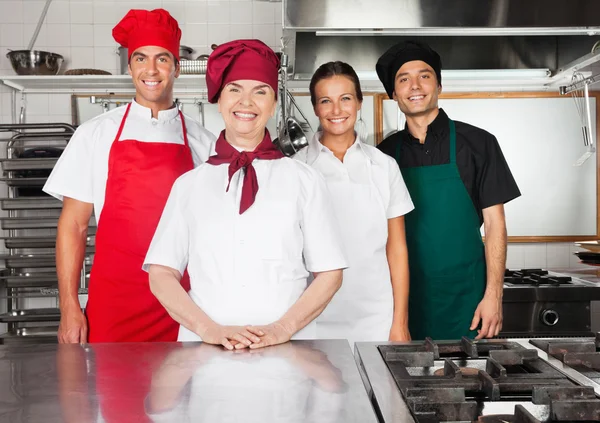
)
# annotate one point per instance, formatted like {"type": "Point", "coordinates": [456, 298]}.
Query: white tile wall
{"type": "Point", "coordinates": [80, 30]}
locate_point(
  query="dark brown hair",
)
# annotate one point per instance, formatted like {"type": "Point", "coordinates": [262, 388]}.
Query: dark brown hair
{"type": "Point", "coordinates": [331, 69]}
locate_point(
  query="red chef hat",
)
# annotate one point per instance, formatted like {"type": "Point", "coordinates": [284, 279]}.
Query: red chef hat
{"type": "Point", "coordinates": [240, 59]}
{"type": "Point", "coordinates": [141, 28]}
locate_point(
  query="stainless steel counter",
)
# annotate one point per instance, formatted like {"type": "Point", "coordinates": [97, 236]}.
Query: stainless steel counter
{"type": "Point", "coordinates": [301, 381]}
{"type": "Point", "coordinates": [590, 273]}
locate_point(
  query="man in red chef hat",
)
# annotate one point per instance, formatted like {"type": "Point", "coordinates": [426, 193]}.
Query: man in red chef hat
{"type": "Point", "coordinates": [121, 165]}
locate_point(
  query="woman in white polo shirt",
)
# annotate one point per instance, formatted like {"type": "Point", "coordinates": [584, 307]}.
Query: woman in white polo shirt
{"type": "Point", "coordinates": [370, 200]}
{"type": "Point", "coordinates": [248, 225]}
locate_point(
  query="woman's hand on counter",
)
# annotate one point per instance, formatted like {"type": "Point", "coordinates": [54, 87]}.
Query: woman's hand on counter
{"type": "Point", "coordinates": [232, 337]}
{"type": "Point", "coordinates": [273, 334]}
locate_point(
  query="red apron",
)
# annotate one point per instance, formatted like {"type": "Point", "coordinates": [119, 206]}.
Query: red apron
{"type": "Point", "coordinates": [121, 307]}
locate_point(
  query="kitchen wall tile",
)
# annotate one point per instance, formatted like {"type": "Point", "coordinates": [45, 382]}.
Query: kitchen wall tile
{"type": "Point", "coordinates": [29, 29]}
{"type": "Point", "coordinates": [64, 118]}
{"type": "Point", "coordinates": [263, 12]}
{"type": "Point", "coordinates": [5, 104]}
{"type": "Point", "coordinates": [535, 256]}
{"type": "Point", "coordinates": [557, 255]}
{"type": "Point", "coordinates": [240, 13]}
{"type": "Point", "coordinates": [36, 105]}
{"type": "Point", "coordinates": [82, 57]}
{"type": "Point", "coordinates": [195, 35]}
{"type": "Point", "coordinates": [33, 10]}
{"type": "Point", "coordinates": [11, 36]}
{"type": "Point", "coordinates": [278, 35]}
{"type": "Point", "coordinates": [11, 12]}
{"type": "Point", "coordinates": [5, 66]}
{"type": "Point", "coordinates": [58, 35]}
{"type": "Point", "coordinates": [106, 59]}
{"type": "Point", "coordinates": [58, 12]}
{"type": "Point", "coordinates": [195, 12]}
{"type": "Point", "coordinates": [82, 36]}
{"type": "Point", "coordinates": [103, 36]}
{"type": "Point", "coordinates": [265, 33]}
{"type": "Point", "coordinates": [59, 104]}
{"type": "Point", "coordinates": [515, 258]}
{"type": "Point", "coordinates": [218, 12]}
{"type": "Point", "coordinates": [81, 12]}
{"type": "Point", "coordinates": [106, 12]}
{"type": "Point", "coordinates": [218, 33]}
{"type": "Point", "coordinates": [278, 12]}
{"type": "Point", "coordinates": [241, 31]}
{"type": "Point", "coordinates": [176, 9]}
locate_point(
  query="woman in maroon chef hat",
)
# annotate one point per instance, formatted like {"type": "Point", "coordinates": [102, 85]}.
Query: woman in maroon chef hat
{"type": "Point", "coordinates": [249, 225]}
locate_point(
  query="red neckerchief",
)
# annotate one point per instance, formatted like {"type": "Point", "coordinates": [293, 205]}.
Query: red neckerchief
{"type": "Point", "coordinates": [266, 150]}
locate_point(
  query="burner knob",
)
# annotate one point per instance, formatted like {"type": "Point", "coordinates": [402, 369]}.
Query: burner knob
{"type": "Point", "coordinates": [549, 317]}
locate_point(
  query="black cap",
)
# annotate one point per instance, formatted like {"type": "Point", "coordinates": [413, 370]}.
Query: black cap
{"type": "Point", "coordinates": [393, 59]}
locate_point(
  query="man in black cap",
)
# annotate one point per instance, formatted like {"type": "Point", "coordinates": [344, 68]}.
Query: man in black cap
{"type": "Point", "coordinates": [458, 179]}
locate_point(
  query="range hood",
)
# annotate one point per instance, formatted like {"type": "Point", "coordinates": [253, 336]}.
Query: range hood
{"type": "Point", "coordinates": [535, 41]}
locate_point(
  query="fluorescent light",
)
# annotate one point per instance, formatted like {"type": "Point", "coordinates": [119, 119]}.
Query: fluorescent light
{"type": "Point", "coordinates": [475, 74]}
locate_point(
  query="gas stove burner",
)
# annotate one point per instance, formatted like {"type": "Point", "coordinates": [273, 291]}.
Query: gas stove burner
{"type": "Point", "coordinates": [534, 277]}
{"type": "Point", "coordinates": [491, 381]}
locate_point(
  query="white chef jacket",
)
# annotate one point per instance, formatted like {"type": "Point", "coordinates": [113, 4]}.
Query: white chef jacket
{"type": "Point", "coordinates": [82, 170]}
{"type": "Point", "coordinates": [249, 268]}
{"type": "Point", "coordinates": [367, 189]}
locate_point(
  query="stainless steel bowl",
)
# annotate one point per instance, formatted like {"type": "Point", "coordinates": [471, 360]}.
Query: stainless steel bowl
{"type": "Point", "coordinates": [35, 62]}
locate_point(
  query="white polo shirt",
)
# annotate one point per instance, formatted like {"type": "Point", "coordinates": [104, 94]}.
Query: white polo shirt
{"type": "Point", "coordinates": [82, 169]}
{"type": "Point", "coordinates": [249, 268]}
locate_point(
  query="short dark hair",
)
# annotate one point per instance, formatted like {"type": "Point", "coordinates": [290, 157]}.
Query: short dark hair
{"type": "Point", "coordinates": [331, 69]}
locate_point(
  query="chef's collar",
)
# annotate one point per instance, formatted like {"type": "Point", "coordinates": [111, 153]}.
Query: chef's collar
{"type": "Point", "coordinates": [146, 113]}
{"type": "Point", "coordinates": [315, 148]}
{"type": "Point", "coordinates": [438, 127]}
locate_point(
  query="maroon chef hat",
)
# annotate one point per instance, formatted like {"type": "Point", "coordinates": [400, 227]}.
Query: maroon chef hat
{"type": "Point", "coordinates": [141, 28]}
{"type": "Point", "coordinates": [240, 59]}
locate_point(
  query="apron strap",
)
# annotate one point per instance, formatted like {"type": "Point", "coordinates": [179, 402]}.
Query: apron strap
{"type": "Point", "coordinates": [122, 125]}
{"type": "Point", "coordinates": [185, 137]}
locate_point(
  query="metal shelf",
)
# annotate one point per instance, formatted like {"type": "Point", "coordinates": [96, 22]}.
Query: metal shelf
{"type": "Point", "coordinates": [110, 84]}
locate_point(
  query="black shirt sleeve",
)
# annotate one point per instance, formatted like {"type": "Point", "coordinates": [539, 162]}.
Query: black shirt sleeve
{"type": "Point", "coordinates": [494, 182]}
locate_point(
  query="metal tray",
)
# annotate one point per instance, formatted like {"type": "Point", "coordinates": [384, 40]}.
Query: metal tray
{"type": "Point", "coordinates": [33, 335]}
{"type": "Point", "coordinates": [9, 165]}
{"type": "Point", "coordinates": [33, 260]}
{"type": "Point", "coordinates": [30, 203]}
{"type": "Point", "coordinates": [31, 315]}
{"type": "Point", "coordinates": [30, 280]}
{"type": "Point", "coordinates": [34, 222]}
{"type": "Point", "coordinates": [24, 182]}
{"type": "Point", "coordinates": [37, 242]}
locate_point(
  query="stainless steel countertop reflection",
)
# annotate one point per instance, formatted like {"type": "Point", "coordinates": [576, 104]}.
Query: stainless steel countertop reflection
{"type": "Point", "coordinates": [300, 381]}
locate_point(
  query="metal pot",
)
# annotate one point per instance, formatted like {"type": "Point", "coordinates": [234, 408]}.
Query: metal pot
{"type": "Point", "coordinates": [185, 53]}
{"type": "Point", "coordinates": [35, 62]}
{"type": "Point", "coordinates": [291, 139]}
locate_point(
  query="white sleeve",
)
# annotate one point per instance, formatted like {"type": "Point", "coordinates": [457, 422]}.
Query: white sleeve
{"type": "Point", "coordinates": [72, 175]}
{"type": "Point", "coordinates": [322, 242]}
{"type": "Point", "coordinates": [400, 201]}
{"type": "Point", "coordinates": [169, 246]}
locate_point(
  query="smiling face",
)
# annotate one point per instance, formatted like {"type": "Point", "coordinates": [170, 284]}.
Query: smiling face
{"type": "Point", "coordinates": [336, 104]}
{"type": "Point", "coordinates": [416, 88]}
{"type": "Point", "coordinates": [153, 71]}
{"type": "Point", "coordinates": [246, 106]}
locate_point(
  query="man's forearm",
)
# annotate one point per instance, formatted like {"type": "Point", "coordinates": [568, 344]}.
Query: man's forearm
{"type": "Point", "coordinates": [313, 301]}
{"type": "Point", "coordinates": [71, 242]}
{"type": "Point", "coordinates": [495, 256]}
{"type": "Point", "coordinates": [166, 287]}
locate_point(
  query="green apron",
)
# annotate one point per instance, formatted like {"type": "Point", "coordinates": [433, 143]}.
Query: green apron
{"type": "Point", "coordinates": [445, 251]}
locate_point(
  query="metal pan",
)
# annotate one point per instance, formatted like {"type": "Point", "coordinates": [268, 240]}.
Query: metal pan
{"type": "Point", "coordinates": [33, 281]}
{"type": "Point", "coordinates": [35, 261]}
{"type": "Point", "coordinates": [31, 315]}
{"type": "Point", "coordinates": [28, 164]}
{"type": "Point", "coordinates": [24, 182]}
{"type": "Point", "coordinates": [29, 242]}
{"type": "Point", "coordinates": [33, 222]}
{"type": "Point", "coordinates": [30, 203]}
